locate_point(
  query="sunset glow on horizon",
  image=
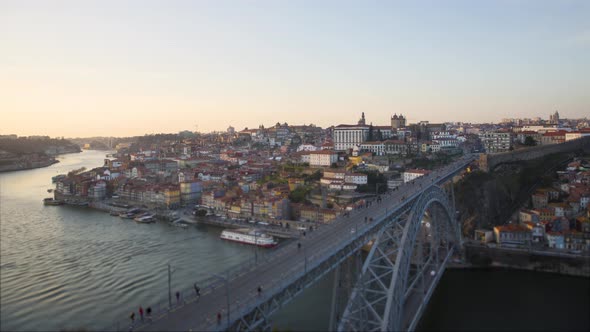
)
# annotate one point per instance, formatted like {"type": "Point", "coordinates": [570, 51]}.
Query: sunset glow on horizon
{"type": "Point", "coordinates": [112, 68]}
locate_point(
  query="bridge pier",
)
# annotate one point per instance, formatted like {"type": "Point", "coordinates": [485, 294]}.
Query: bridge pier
{"type": "Point", "coordinates": [345, 277]}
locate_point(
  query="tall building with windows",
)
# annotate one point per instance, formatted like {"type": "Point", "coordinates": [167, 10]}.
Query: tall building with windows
{"type": "Point", "coordinates": [348, 136]}
{"type": "Point", "coordinates": [496, 141]}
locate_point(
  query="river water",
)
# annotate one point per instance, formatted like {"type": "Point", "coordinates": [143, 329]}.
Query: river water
{"type": "Point", "coordinates": [65, 267]}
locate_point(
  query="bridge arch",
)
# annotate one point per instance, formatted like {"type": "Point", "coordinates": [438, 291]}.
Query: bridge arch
{"type": "Point", "coordinates": [403, 267]}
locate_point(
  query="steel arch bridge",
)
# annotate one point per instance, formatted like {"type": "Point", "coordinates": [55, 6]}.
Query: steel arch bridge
{"type": "Point", "coordinates": [413, 231]}
{"type": "Point", "coordinates": [403, 267]}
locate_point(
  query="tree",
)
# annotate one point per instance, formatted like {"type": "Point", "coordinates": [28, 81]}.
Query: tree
{"type": "Point", "coordinates": [529, 141]}
{"type": "Point", "coordinates": [299, 194]}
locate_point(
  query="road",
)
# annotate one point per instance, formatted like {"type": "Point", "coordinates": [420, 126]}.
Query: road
{"type": "Point", "coordinates": [316, 245]}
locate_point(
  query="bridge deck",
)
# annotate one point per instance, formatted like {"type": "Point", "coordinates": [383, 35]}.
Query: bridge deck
{"type": "Point", "coordinates": [273, 273]}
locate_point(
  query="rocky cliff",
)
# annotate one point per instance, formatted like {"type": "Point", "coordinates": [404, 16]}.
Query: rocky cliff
{"type": "Point", "coordinates": [489, 199]}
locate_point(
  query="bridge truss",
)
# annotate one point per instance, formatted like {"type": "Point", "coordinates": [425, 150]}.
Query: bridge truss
{"type": "Point", "coordinates": [403, 267]}
{"type": "Point", "coordinates": [411, 246]}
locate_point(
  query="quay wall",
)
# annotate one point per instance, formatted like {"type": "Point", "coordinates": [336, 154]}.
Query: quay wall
{"type": "Point", "coordinates": [566, 264]}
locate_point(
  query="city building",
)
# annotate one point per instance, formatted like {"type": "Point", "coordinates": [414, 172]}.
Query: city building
{"type": "Point", "coordinates": [512, 235]}
{"type": "Point", "coordinates": [322, 158]}
{"type": "Point", "coordinates": [494, 142]}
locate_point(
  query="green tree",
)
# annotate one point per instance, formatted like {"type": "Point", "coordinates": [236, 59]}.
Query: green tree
{"type": "Point", "coordinates": [529, 141]}
{"type": "Point", "coordinates": [299, 194]}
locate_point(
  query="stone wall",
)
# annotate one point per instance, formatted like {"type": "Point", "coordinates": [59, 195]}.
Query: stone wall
{"type": "Point", "coordinates": [487, 162]}
{"type": "Point", "coordinates": [567, 264]}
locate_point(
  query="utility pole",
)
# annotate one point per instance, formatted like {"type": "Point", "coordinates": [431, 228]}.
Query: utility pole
{"type": "Point", "coordinates": [169, 288]}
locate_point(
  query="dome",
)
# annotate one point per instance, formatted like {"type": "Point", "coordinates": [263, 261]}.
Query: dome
{"type": "Point", "coordinates": [401, 116]}
{"type": "Point", "coordinates": [394, 116]}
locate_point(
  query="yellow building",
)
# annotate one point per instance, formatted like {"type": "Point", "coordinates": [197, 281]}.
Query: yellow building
{"type": "Point", "coordinates": [172, 197]}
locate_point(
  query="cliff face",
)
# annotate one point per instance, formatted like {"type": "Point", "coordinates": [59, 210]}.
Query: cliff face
{"type": "Point", "coordinates": [485, 200]}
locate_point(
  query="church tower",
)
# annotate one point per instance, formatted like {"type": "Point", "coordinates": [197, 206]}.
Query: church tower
{"type": "Point", "coordinates": [362, 120]}
{"type": "Point", "coordinates": [398, 121]}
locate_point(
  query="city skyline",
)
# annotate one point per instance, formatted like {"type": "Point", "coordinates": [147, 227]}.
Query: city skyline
{"type": "Point", "coordinates": [110, 69]}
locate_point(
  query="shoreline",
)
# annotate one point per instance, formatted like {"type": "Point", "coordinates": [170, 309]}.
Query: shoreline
{"type": "Point", "coordinates": [15, 167]}
{"type": "Point", "coordinates": [490, 258]}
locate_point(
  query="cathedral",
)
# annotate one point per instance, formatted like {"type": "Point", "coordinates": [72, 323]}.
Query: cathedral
{"type": "Point", "coordinates": [398, 121]}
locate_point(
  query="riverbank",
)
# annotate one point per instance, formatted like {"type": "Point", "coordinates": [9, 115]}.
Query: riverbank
{"type": "Point", "coordinates": [11, 165]}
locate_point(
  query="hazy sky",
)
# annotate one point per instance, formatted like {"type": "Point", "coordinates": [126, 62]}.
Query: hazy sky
{"type": "Point", "coordinates": [83, 68]}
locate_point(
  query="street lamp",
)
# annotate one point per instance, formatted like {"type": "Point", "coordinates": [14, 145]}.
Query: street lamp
{"type": "Point", "coordinates": [169, 287]}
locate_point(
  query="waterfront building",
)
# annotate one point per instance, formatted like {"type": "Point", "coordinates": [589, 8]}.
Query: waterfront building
{"type": "Point", "coordinates": [190, 191]}
{"type": "Point", "coordinates": [555, 240]}
{"type": "Point", "coordinates": [512, 235]}
{"type": "Point", "coordinates": [484, 236]}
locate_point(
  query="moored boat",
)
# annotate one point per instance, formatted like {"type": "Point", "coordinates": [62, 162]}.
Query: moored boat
{"type": "Point", "coordinates": [51, 201]}
{"type": "Point", "coordinates": [249, 236]}
{"type": "Point", "coordinates": [145, 219]}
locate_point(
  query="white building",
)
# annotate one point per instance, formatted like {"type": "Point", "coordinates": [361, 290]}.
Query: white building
{"type": "Point", "coordinates": [496, 141]}
{"type": "Point", "coordinates": [307, 147]}
{"type": "Point", "coordinates": [348, 136]}
{"type": "Point", "coordinates": [412, 174]}
{"type": "Point", "coordinates": [356, 178]}
{"type": "Point", "coordinates": [575, 135]}
{"type": "Point", "coordinates": [322, 158]}
{"type": "Point", "coordinates": [377, 148]}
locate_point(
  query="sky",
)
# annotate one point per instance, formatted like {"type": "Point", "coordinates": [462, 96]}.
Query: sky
{"type": "Point", "coordinates": [122, 68]}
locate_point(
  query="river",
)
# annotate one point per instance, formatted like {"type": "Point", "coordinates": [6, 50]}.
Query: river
{"type": "Point", "coordinates": [65, 267]}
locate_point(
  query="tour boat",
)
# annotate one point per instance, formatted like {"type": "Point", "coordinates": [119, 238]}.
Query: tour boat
{"type": "Point", "coordinates": [249, 236]}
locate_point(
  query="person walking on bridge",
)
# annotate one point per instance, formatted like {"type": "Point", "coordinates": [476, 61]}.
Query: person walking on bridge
{"type": "Point", "coordinates": [141, 313]}
{"type": "Point", "coordinates": [259, 290]}
{"type": "Point", "coordinates": [197, 290]}
{"type": "Point", "coordinates": [218, 317]}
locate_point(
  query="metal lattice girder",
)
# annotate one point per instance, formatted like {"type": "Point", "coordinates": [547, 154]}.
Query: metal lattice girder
{"type": "Point", "coordinates": [397, 265]}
